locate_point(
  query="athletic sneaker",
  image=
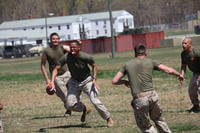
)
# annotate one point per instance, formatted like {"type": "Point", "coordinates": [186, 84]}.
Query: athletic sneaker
{"type": "Point", "coordinates": [110, 122]}
{"type": "Point", "coordinates": [68, 113]}
{"type": "Point", "coordinates": [1, 106]}
{"type": "Point", "coordinates": [195, 109]}
{"type": "Point", "coordinates": [86, 111]}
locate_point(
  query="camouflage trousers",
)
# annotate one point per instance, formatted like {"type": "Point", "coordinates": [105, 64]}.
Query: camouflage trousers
{"type": "Point", "coordinates": [61, 86]}
{"type": "Point", "coordinates": [75, 89]}
{"type": "Point", "coordinates": [145, 107]}
{"type": "Point", "coordinates": [193, 89]}
{"type": "Point", "coordinates": [1, 124]}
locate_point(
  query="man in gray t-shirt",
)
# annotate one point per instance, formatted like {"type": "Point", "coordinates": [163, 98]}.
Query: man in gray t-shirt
{"type": "Point", "coordinates": [145, 99]}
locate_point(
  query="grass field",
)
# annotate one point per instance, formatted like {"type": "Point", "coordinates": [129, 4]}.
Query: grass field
{"type": "Point", "coordinates": [27, 107]}
{"type": "Point", "coordinates": [178, 32]}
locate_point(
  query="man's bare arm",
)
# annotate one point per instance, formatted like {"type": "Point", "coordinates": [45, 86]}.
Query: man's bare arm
{"type": "Point", "coordinates": [43, 69]}
{"type": "Point", "coordinates": [54, 74]}
{"type": "Point", "coordinates": [117, 80]}
{"type": "Point", "coordinates": [171, 71]}
{"type": "Point", "coordinates": [67, 48]}
{"type": "Point", "coordinates": [183, 69]}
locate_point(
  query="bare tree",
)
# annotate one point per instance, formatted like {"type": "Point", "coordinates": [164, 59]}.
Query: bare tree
{"type": "Point", "coordinates": [146, 12]}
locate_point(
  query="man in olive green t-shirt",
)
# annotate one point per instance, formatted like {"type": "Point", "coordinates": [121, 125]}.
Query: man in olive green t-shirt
{"type": "Point", "coordinates": [82, 80]}
{"type": "Point", "coordinates": [145, 99]}
{"type": "Point", "coordinates": [190, 57]}
{"type": "Point", "coordinates": [52, 54]}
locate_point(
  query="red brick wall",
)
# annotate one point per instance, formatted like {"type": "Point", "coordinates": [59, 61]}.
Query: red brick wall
{"type": "Point", "coordinates": [151, 39]}
{"type": "Point", "coordinates": [87, 46]}
{"type": "Point", "coordinates": [107, 44]}
{"type": "Point", "coordinates": [122, 43]}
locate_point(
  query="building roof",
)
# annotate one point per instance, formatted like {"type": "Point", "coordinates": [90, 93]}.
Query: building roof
{"type": "Point", "coordinates": [10, 34]}
{"type": "Point", "coordinates": [60, 20]}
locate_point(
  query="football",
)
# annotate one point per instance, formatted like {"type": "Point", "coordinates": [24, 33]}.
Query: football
{"type": "Point", "coordinates": [50, 90]}
{"type": "Point", "coordinates": [1, 106]}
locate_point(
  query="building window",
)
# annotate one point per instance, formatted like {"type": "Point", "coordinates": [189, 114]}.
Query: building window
{"type": "Point", "coordinates": [38, 41]}
{"type": "Point", "coordinates": [59, 28]}
{"type": "Point", "coordinates": [68, 27]}
{"type": "Point", "coordinates": [69, 37]}
{"type": "Point", "coordinates": [130, 22]}
{"type": "Point", "coordinates": [106, 31]}
{"type": "Point", "coordinates": [97, 32]}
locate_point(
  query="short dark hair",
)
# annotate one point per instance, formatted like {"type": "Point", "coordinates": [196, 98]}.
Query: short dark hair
{"type": "Point", "coordinates": [140, 49]}
{"type": "Point", "coordinates": [53, 34]}
{"type": "Point", "coordinates": [75, 41]}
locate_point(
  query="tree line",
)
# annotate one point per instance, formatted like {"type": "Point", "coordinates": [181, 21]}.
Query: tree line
{"type": "Point", "coordinates": [146, 12]}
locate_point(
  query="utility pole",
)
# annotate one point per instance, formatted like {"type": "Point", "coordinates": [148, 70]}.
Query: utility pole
{"type": "Point", "coordinates": [46, 26]}
{"type": "Point", "coordinates": [111, 28]}
{"type": "Point", "coordinates": [46, 30]}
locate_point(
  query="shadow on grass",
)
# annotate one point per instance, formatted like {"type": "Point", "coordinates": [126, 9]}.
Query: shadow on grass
{"type": "Point", "coordinates": [84, 125]}
{"type": "Point", "coordinates": [121, 111]}
{"type": "Point", "coordinates": [181, 111]}
{"type": "Point", "coordinates": [175, 111]}
{"type": "Point", "coordinates": [47, 117]}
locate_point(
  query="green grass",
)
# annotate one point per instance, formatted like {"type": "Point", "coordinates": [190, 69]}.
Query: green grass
{"type": "Point", "coordinates": [27, 107]}
{"type": "Point", "coordinates": [102, 74]}
{"type": "Point", "coordinates": [20, 77]}
{"type": "Point", "coordinates": [184, 127]}
{"type": "Point", "coordinates": [178, 32]}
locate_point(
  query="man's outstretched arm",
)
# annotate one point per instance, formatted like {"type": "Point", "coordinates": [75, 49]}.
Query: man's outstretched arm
{"type": "Point", "coordinates": [117, 80]}
{"type": "Point", "coordinates": [54, 74]}
{"type": "Point", "coordinates": [43, 69]}
{"type": "Point", "coordinates": [171, 71]}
